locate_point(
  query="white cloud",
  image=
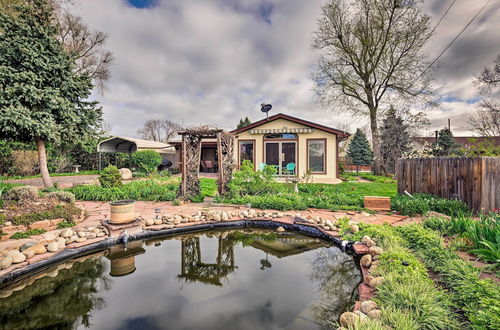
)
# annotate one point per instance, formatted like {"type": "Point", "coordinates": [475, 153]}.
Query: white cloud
{"type": "Point", "coordinates": [213, 62]}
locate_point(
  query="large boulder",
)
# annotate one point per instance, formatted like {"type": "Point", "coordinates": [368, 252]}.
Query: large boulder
{"type": "Point", "coordinates": [125, 173]}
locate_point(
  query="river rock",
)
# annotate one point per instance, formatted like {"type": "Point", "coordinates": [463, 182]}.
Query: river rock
{"type": "Point", "coordinates": [125, 173]}
{"type": "Point", "coordinates": [177, 220]}
{"type": "Point", "coordinates": [48, 236]}
{"type": "Point", "coordinates": [67, 232]}
{"type": "Point", "coordinates": [366, 260]}
{"type": "Point", "coordinates": [368, 305]}
{"type": "Point", "coordinates": [348, 320]}
{"type": "Point", "coordinates": [26, 246]}
{"type": "Point", "coordinates": [280, 229]}
{"type": "Point", "coordinates": [217, 217]}
{"type": "Point", "coordinates": [377, 281]}
{"type": "Point", "coordinates": [157, 221]}
{"type": "Point", "coordinates": [374, 314]}
{"type": "Point", "coordinates": [17, 257]}
{"type": "Point", "coordinates": [224, 216]}
{"type": "Point", "coordinates": [101, 234]}
{"type": "Point", "coordinates": [149, 222]}
{"type": "Point", "coordinates": [375, 250]}
{"type": "Point", "coordinates": [91, 235]}
{"type": "Point", "coordinates": [72, 239]}
{"type": "Point", "coordinates": [39, 249]}
{"type": "Point", "coordinates": [82, 234]}
{"type": "Point", "coordinates": [61, 242]}
{"type": "Point", "coordinates": [353, 228]}
{"type": "Point", "coordinates": [5, 262]}
{"type": "Point", "coordinates": [81, 239]}
{"type": "Point", "coordinates": [29, 253]}
{"type": "Point", "coordinates": [52, 247]}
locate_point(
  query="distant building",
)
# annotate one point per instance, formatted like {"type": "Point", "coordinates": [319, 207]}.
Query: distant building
{"type": "Point", "coordinates": [466, 141]}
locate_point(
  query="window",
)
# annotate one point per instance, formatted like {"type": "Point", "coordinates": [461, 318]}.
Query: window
{"type": "Point", "coordinates": [247, 150]}
{"type": "Point", "coordinates": [287, 136]}
{"type": "Point", "coordinates": [316, 155]}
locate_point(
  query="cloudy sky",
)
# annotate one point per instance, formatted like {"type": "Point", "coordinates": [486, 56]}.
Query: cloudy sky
{"type": "Point", "coordinates": [214, 61]}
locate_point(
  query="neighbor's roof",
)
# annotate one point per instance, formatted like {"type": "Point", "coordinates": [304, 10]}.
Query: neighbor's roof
{"type": "Point", "coordinates": [327, 129]}
{"type": "Point", "coordinates": [129, 145]}
{"type": "Point", "coordinates": [463, 140]}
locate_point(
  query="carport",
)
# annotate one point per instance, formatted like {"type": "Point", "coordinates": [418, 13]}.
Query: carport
{"type": "Point", "coordinates": [129, 145]}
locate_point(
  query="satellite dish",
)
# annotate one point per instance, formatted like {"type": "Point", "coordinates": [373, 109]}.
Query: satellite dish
{"type": "Point", "coordinates": [266, 108]}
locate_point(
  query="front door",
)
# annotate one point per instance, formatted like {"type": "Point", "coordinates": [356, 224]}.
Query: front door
{"type": "Point", "coordinates": [280, 154]}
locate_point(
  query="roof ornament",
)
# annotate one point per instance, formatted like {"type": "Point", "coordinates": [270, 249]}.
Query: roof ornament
{"type": "Point", "coordinates": [266, 108]}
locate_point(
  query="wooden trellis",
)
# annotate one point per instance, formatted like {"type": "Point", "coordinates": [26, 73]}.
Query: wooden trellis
{"type": "Point", "coordinates": [191, 157]}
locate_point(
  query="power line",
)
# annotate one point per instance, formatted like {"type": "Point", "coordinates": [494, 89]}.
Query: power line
{"type": "Point", "coordinates": [455, 39]}
{"type": "Point", "coordinates": [444, 15]}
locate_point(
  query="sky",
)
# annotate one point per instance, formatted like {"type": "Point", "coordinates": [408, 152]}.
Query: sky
{"type": "Point", "coordinates": [215, 61]}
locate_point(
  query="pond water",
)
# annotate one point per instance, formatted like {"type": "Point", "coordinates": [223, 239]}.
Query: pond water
{"type": "Point", "coordinates": [217, 280]}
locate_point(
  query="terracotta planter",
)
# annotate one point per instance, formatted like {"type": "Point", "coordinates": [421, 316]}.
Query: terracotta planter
{"type": "Point", "coordinates": [122, 266]}
{"type": "Point", "coordinates": [122, 211]}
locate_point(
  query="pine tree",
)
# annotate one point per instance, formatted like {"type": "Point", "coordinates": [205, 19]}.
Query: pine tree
{"type": "Point", "coordinates": [243, 123]}
{"type": "Point", "coordinates": [445, 144]}
{"type": "Point", "coordinates": [395, 134]}
{"type": "Point", "coordinates": [359, 150]}
{"type": "Point", "coordinates": [42, 98]}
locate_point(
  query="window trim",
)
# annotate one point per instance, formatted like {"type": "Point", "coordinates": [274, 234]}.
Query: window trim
{"type": "Point", "coordinates": [325, 171]}
{"type": "Point", "coordinates": [254, 142]}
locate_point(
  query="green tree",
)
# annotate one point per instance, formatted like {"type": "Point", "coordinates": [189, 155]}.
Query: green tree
{"type": "Point", "coordinates": [244, 122]}
{"type": "Point", "coordinates": [395, 139]}
{"type": "Point", "coordinates": [445, 144]}
{"type": "Point", "coordinates": [359, 150]}
{"type": "Point", "coordinates": [42, 98]}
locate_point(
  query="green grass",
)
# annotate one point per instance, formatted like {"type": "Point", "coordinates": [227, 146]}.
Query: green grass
{"type": "Point", "coordinates": [208, 187]}
{"type": "Point", "coordinates": [16, 177]}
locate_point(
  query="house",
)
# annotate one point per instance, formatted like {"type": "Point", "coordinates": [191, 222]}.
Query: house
{"type": "Point", "coordinates": [294, 146]}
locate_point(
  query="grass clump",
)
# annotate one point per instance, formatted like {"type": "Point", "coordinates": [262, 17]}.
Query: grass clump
{"type": "Point", "coordinates": [62, 196]}
{"type": "Point", "coordinates": [149, 190]}
{"type": "Point", "coordinates": [423, 203]}
{"type": "Point", "coordinates": [66, 224]}
{"type": "Point", "coordinates": [27, 233]}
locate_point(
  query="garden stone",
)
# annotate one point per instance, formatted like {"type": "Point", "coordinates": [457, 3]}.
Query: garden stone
{"type": "Point", "coordinates": [91, 235]}
{"type": "Point", "coordinates": [217, 217]}
{"type": "Point", "coordinates": [366, 260]}
{"type": "Point", "coordinates": [368, 305]}
{"type": "Point", "coordinates": [52, 247]}
{"type": "Point", "coordinates": [49, 236]}
{"type": "Point", "coordinates": [81, 239]}
{"type": "Point", "coordinates": [280, 229]}
{"type": "Point", "coordinates": [17, 257]}
{"type": "Point", "coordinates": [82, 234]}
{"type": "Point", "coordinates": [72, 239]}
{"type": "Point", "coordinates": [67, 232]}
{"type": "Point", "coordinates": [368, 278]}
{"type": "Point", "coordinates": [244, 214]}
{"type": "Point", "coordinates": [29, 253]}
{"type": "Point", "coordinates": [6, 262]}
{"type": "Point", "coordinates": [377, 281]}
{"type": "Point", "coordinates": [101, 234]}
{"type": "Point", "coordinates": [375, 250]}
{"type": "Point", "coordinates": [184, 220]}
{"type": "Point", "coordinates": [224, 216]}
{"type": "Point", "coordinates": [149, 222]}
{"type": "Point", "coordinates": [354, 228]}
{"type": "Point", "coordinates": [157, 221]}
{"type": "Point", "coordinates": [177, 220]}
{"type": "Point", "coordinates": [169, 226]}
{"type": "Point", "coordinates": [374, 314]}
{"type": "Point", "coordinates": [348, 320]}
{"type": "Point", "coordinates": [26, 246]}
{"type": "Point", "coordinates": [362, 316]}
{"type": "Point", "coordinates": [61, 242]}
{"type": "Point", "coordinates": [125, 173]}
{"type": "Point", "coordinates": [280, 215]}
{"type": "Point", "coordinates": [39, 249]}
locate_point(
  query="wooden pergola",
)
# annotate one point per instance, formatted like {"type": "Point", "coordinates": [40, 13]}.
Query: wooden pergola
{"type": "Point", "coordinates": [191, 158]}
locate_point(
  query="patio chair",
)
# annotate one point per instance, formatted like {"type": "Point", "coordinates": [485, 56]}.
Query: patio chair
{"type": "Point", "coordinates": [289, 169]}
{"type": "Point", "coordinates": [209, 166]}
{"type": "Point", "coordinates": [262, 166]}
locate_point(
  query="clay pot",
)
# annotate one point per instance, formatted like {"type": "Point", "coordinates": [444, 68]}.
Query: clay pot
{"type": "Point", "coordinates": [122, 211]}
{"type": "Point", "coordinates": [122, 266]}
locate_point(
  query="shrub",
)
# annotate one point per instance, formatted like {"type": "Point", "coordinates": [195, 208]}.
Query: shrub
{"type": "Point", "coordinates": [146, 160]}
{"type": "Point", "coordinates": [449, 227]}
{"type": "Point", "coordinates": [485, 230]}
{"type": "Point", "coordinates": [65, 224]}
{"type": "Point", "coordinates": [3, 218]}
{"type": "Point", "coordinates": [62, 196]}
{"type": "Point", "coordinates": [66, 211]}
{"type": "Point", "coordinates": [22, 194]}
{"type": "Point", "coordinates": [247, 181]}
{"type": "Point", "coordinates": [110, 177]}
{"type": "Point", "coordinates": [25, 162]}
{"type": "Point", "coordinates": [423, 203]}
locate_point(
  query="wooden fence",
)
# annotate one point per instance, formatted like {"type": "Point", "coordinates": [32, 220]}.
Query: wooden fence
{"type": "Point", "coordinates": [474, 180]}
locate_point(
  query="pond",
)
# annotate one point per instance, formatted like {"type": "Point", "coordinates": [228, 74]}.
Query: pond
{"type": "Point", "coordinates": [236, 279]}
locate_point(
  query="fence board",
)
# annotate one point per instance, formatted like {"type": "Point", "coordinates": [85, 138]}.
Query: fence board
{"type": "Point", "coordinates": [474, 180]}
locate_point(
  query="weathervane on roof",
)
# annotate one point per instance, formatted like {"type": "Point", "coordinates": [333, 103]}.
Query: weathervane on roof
{"type": "Point", "coordinates": [266, 108]}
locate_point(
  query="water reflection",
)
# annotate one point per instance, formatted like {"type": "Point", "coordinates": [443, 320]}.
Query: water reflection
{"type": "Point", "coordinates": [229, 280]}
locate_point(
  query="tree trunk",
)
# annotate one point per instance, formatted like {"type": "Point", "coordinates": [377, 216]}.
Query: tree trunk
{"type": "Point", "coordinates": [42, 158]}
{"type": "Point", "coordinates": [377, 157]}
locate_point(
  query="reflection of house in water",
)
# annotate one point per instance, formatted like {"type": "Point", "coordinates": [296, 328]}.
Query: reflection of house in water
{"type": "Point", "coordinates": [284, 245]}
{"type": "Point", "coordinates": [193, 269]}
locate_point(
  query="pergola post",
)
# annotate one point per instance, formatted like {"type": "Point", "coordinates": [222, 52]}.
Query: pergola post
{"type": "Point", "coordinates": [220, 166]}
{"type": "Point", "coordinates": [184, 166]}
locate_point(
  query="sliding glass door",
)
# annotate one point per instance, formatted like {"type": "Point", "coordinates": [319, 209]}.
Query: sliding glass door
{"type": "Point", "coordinates": [282, 155]}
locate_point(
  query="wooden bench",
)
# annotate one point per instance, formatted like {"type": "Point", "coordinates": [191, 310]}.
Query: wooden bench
{"type": "Point", "coordinates": [378, 203]}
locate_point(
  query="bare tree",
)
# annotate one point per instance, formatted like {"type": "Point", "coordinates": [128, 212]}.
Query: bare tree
{"type": "Point", "coordinates": [159, 130]}
{"type": "Point", "coordinates": [486, 120]}
{"type": "Point", "coordinates": [371, 53]}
